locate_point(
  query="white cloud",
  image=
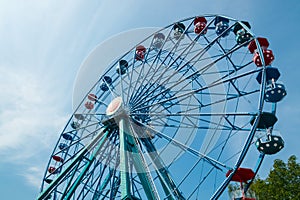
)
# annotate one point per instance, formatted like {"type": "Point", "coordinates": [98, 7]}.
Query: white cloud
{"type": "Point", "coordinates": [28, 108]}
{"type": "Point", "coordinates": [31, 117]}
{"type": "Point", "coordinates": [42, 45]}
{"type": "Point", "coordinates": [33, 176]}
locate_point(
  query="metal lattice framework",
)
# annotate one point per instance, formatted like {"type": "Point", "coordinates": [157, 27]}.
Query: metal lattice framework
{"type": "Point", "coordinates": [167, 120]}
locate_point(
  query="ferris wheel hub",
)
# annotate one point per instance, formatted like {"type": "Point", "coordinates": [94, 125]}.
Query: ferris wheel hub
{"type": "Point", "coordinates": [115, 107]}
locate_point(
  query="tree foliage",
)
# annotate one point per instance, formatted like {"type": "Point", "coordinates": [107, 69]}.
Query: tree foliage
{"type": "Point", "coordinates": [283, 181]}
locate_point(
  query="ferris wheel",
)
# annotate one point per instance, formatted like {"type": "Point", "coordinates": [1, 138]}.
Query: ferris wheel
{"type": "Point", "coordinates": [175, 117]}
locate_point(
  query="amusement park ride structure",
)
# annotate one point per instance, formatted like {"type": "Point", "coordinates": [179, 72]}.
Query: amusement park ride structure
{"type": "Point", "coordinates": [175, 117]}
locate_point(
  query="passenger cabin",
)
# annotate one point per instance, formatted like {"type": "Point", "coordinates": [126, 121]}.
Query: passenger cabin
{"type": "Point", "coordinates": [267, 53]}
{"type": "Point", "coordinates": [178, 29]}
{"type": "Point", "coordinates": [200, 25]}
{"type": "Point", "coordinates": [158, 40]}
{"type": "Point", "coordinates": [221, 26]}
{"type": "Point", "coordinates": [242, 176]}
{"type": "Point", "coordinates": [270, 143]}
{"type": "Point", "coordinates": [241, 34]}
{"type": "Point", "coordinates": [92, 97]}
{"type": "Point", "coordinates": [75, 125]}
{"type": "Point", "coordinates": [107, 81]}
{"type": "Point", "coordinates": [140, 52]}
{"type": "Point", "coordinates": [275, 91]}
{"type": "Point", "coordinates": [122, 67]}
{"type": "Point", "coordinates": [89, 105]}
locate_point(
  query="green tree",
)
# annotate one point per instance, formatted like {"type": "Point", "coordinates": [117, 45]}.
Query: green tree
{"type": "Point", "coordinates": [283, 181]}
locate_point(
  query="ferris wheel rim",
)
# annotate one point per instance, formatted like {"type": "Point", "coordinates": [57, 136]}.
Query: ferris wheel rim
{"type": "Point", "coordinates": [251, 133]}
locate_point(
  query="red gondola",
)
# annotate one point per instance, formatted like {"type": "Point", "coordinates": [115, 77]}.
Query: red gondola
{"type": "Point", "coordinates": [52, 170]}
{"type": "Point", "coordinates": [242, 175]}
{"type": "Point", "coordinates": [268, 58]}
{"type": "Point", "coordinates": [200, 24]}
{"type": "Point", "coordinates": [263, 42]}
{"type": "Point", "coordinates": [140, 52]}
{"type": "Point", "coordinates": [89, 105]}
{"type": "Point", "coordinates": [92, 97]}
{"type": "Point", "coordinates": [57, 158]}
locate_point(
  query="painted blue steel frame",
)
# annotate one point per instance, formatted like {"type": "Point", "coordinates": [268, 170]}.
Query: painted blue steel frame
{"type": "Point", "coordinates": [158, 104]}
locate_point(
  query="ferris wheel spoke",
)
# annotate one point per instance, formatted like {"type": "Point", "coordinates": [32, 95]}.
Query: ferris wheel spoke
{"type": "Point", "coordinates": [98, 188]}
{"type": "Point", "coordinates": [223, 143]}
{"type": "Point", "coordinates": [163, 123]}
{"type": "Point", "coordinates": [196, 90]}
{"type": "Point", "coordinates": [130, 75]}
{"type": "Point", "coordinates": [162, 171]}
{"type": "Point", "coordinates": [73, 187]}
{"type": "Point", "coordinates": [210, 126]}
{"type": "Point", "coordinates": [88, 181]}
{"type": "Point", "coordinates": [182, 124]}
{"type": "Point", "coordinates": [193, 168]}
{"type": "Point", "coordinates": [236, 154]}
{"type": "Point", "coordinates": [141, 74]}
{"type": "Point", "coordinates": [231, 98]}
{"type": "Point", "coordinates": [69, 168]}
{"type": "Point", "coordinates": [110, 177]}
{"type": "Point", "coordinates": [201, 52]}
{"type": "Point", "coordinates": [150, 72]}
{"type": "Point", "coordinates": [158, 67]}
{"type": "Point", "coordinates": [142, 78]}
{"type": "Point", "coordinates": [211, 161]}
{"type": "Point", "coordinates": [79, 150]}
{"type": "Point", "coordinates": [94, 114]}
{"type": "Point", "coordinates": [151, 69]}
{"type": "Point", "coordinates": [101, 102]}
{"type": "Point", "coordinates": [223, 94]}
{"type": "Point", "coordinates": [77, 143]}
{"type": "Point", "coordinates": [203, 127]}
{"type": "Point", "coordinates": [205, 68]}
{"type": "Point", "coordinates": [196, 116]}
{"type": "Point", "coordinates": [224, 52]}
{"type": "Point", "coordinates": [227, 74]}
{"type": "Point", "coordinates": [90, 184]}
{"type": "Point", "coordinates": [201, 182]}
{"type": "Point", "coordinates": [81, 128]}
{"type": "Point", "coordinates": [111, 89]}
{"type": "Point", "coordinates": [185, 50]}
{"type": "Point", "coordinates": [157, 80]}
{"type": "Point", "coordinates": [102, 187]}
{"type": "Point", "coordinates": [199, 114]}
{"type": "Point", "coordinates": [115, 184]}
{"type": "Point", "coordinates": [86, 118]}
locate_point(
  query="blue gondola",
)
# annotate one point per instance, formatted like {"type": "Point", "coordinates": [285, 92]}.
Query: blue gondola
{"type": "Point", "coordinates": [272, 145]}
{"type": "Point", "coordinates": [75, 125]}
{"type": "Point", "coordinates": [222, 25]}
{"type": "Point", "coordinates": [67, 136]}
{"type": "Point", "coordinates": [242, 35]}
{"type": "Point", "coordinates": [275, 92]}
{"type": "Point", "coordinates": [62, 146]}
{"type": "Point", "coordinates": [178, 28]}
{"type": "Point", "coordinates": [122, 67]}
{"type": "Point", "coordinates": [266, 120]}
{"type": "Point", "coordinates": [158, 40]}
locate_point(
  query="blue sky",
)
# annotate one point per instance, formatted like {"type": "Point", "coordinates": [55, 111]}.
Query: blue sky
{"type": "Point", "coordinates": [43, 43]}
